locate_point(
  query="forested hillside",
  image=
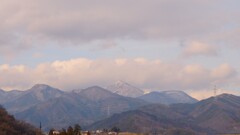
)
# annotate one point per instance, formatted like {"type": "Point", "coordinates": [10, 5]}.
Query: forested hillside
{"type": "Point", "coordinates": [10, 126]}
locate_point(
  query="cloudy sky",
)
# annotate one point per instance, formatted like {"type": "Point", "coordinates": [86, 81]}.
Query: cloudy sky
{"type": "Point", "coordinates": [188, 45]}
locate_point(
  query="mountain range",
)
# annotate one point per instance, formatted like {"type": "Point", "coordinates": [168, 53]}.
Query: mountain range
{"type": "Point", "coordinates": [55, 108]}
{"type": "Point", "coordinates": [37, 94]}
{"type": "Point", "coordinates": [102, 108]}
{"type": "Point", "coordinates": [214, 115]}
{"type": "Point", "coordinates": [221, 113]}
{"type": "Point", "coordinates": [168, 97]}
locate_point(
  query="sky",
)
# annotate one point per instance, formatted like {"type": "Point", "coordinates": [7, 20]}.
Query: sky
{"type": "Point", "coordinates": [189, 45]}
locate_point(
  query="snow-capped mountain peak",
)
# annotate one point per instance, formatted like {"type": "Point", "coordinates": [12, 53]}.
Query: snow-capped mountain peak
{"type": "Point", "coordinates": [120, 83]}
{"type": "Point", "coordinates": [125, 89]}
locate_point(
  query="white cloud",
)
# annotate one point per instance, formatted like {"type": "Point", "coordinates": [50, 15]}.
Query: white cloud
{"type": "Point", "coordinates": [224, 71]}
{"type": "Point", "coordinates": [120, 61]}
{"type": "Point", "coordinates": [198, 48]}
{"type": "Point", "coordinates": [144, 73]}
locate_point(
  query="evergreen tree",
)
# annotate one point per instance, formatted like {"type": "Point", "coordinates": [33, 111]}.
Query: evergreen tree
{"type": "Point", "coordinates": [115, 129]}
{"type": "Point", "coordinates": [77, 129]}
{"type": "Point", "coordinates": [63, 132]}
{"type": "Point", "coordinates": [51, 132]}
{"type": "Point", "coordinates": [105, 130]}
{"type": "Point", "coordinates": [70, 130]}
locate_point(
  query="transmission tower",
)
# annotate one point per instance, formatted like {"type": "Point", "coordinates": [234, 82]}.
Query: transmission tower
{"type": "Point", "coordinates": [215, 90]}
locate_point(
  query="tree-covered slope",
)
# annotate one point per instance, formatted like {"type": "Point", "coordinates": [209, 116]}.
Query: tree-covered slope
{"type": "Point", "coordinates": [10, 126]}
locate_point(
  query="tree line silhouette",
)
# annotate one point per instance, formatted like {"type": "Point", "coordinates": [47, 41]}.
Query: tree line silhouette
{"type": "Point", "coordinates": [70, 130]}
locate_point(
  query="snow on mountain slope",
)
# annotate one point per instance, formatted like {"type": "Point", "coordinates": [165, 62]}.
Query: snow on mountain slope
{"type": "Point", "coordinates": [168, 97]}
{"type": "Point", "coordinates": [125, 89]}
{"type": "Point", "coordinates": [37, 94]}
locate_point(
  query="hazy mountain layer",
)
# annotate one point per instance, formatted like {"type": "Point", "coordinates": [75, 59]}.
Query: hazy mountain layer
{"type": "Point", "coordinates": [168, 97]}
{"type": "Point", "coordinates": [211, 116]}
{"type": "Point", "coordinates": [7, 96]}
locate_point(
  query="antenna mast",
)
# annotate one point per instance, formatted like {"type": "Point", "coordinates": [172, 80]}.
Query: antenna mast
{"type": "Point", "coordinates": [215, 90]}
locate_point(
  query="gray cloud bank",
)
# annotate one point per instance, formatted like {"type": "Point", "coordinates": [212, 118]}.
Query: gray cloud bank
{"type": "Point", "coordinates": [40, 22]}
{"type": "Point", "coordinates": [203, 25]}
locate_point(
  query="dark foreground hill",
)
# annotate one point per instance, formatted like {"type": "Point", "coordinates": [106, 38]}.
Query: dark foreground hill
{"type": "Point", "coordinates": [211, 116]}
{"type": "Point", "coordinates": [10, 126]}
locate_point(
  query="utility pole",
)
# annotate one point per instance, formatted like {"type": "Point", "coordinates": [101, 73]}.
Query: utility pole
{"type": "Point", "coordinates": [40, 127]}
